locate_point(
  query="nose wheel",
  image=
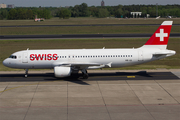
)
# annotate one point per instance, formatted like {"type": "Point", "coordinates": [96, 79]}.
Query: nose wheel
{"type": "Point", "coordinates": [26, 73]}
{"type": "Point", "coordinates": [85, 74]}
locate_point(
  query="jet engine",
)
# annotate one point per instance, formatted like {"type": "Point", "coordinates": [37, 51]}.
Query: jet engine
{"type": "Point", "coordinates": [60, 71]}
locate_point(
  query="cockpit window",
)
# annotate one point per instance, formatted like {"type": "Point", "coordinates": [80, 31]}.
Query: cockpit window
{"type": "Point", "coordinates": [13, 57]}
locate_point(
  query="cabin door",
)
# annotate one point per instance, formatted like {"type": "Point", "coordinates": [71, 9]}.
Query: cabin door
{"type": "Point", "coordinates": [25, 57]}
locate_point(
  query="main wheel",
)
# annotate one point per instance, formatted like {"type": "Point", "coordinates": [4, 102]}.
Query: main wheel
{"type": "Point", "coordinates": [85, 76]}
{"type": "Point", "coordinates": [26, 76]}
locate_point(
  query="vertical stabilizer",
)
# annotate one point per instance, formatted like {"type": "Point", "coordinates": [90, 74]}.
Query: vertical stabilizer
{"type": "Point", "coordinates": [160, 37]}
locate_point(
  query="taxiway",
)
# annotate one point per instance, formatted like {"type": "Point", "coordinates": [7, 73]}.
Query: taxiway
{"type": "Point", "coordinates": [106, 95]}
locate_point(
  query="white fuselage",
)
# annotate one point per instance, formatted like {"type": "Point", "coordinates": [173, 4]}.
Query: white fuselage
{"type": "Point", "coordinates": [47, 59]}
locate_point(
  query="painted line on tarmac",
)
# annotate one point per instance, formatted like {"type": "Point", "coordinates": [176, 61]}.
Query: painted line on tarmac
{"type": "Point", "coordinates": [27, 85]}
{"type": "Point", "coordinates": [81, 106]}
{"type": "Point", "coordinates": [131, 76]}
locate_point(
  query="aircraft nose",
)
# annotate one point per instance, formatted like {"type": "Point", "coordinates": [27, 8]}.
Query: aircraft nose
{"type": "Point", "coordinates": [5, 62]}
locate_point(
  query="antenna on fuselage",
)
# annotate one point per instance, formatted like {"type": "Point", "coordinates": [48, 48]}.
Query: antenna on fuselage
{"type": "Point", "coordinates": [103, 47]}
{"type": "Point", "coordinates": [27, 48]}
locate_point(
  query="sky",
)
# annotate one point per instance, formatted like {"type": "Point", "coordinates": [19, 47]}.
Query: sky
{"type": "Point", "coordinates": [63, 3]}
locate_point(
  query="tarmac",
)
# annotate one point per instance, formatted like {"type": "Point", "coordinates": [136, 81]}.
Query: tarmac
{"type": "Point", "coordinates": [106, 95]}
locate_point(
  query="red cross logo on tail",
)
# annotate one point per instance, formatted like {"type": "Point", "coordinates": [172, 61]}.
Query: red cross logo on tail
{"type": "Point", "coordinates": [161, 36]}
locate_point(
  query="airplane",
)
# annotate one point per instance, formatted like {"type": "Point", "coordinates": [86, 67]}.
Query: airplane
{"type": "Point", "coordinates": [65, 62]}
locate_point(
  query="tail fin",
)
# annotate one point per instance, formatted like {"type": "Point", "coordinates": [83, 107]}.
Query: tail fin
{"type": "Point", "coordinates": [160, 38]}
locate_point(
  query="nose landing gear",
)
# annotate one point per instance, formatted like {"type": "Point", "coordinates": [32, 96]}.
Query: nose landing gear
{"type": "Point", "coordinates": [26, 73]}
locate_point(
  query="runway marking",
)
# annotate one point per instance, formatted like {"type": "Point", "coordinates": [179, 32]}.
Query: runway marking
{"type": "Point", "coordinates": [131, 76]}
{"type": "Point", "coordinates": [27, 85]}
{"type": "Point", "coordinates": [81, 106]}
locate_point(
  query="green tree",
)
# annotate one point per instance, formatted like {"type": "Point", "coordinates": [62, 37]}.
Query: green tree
{"type": "Point", "coordinates": [3, 14]}
{"type": "Point", "coordinates": [83, 9]}
{"type": "Point", "coordinates": [64, 13]}
{"type": "Point", "coordinates": [29, 14]}
{"type": "Point", "coordinates": [93, 11]}
{"type": "Point", "coordinates": [75, 11]}
{"type": "Point", "coordinates": [12, 15]}
{"type": "Point", "coordinates": [45, 13]}
{"type": "Point", "coordinates": [103, 13]}
{"type": "Point", "coordinates": [119, 13]}
{"type": "Point", "coordinates": [21, 13]}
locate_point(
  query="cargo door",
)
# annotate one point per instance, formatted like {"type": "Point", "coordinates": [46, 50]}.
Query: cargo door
{"type": "Point", "coordinates": [140, 55]}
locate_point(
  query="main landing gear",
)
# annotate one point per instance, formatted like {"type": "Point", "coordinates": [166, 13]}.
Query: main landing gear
{"type": "Point", "coordinates": [26, 73]}
{"type": "Point", "coordinates": [85, 74]}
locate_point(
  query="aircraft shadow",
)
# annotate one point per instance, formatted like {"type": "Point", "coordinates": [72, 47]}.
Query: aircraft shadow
{"type": "Point", "coordinates": [79, 76]}
{"type": "Point", "coordinates": [141, 75]}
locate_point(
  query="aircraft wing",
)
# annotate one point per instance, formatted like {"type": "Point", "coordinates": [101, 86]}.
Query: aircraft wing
{"type": "Point", "coordinates": [84, 65]}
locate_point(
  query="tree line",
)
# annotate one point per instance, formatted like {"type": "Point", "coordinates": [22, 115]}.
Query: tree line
{"type": "Point", "coordinates": [24, 13]}
{"type": "Point", "coordinates": [83, 10]}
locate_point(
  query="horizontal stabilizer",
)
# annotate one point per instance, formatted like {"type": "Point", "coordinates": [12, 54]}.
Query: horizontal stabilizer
{"type": "Point", "coordinates": [165, 52]}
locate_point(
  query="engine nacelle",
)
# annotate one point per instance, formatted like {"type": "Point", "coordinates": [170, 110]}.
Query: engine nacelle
{"type": "Point", "coordinates": [62, 71]}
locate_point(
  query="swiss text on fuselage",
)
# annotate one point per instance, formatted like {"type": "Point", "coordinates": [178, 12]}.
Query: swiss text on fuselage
{"type": "Point", "coordinates": [43, 57]}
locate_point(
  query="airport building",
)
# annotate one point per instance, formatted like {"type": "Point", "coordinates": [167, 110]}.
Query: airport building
{"type": "Point", "coordinates": [10, 6]}
{"type": "Point", "coordinates": [136, 14]}
{"type": "Point", "coordinates": [3, 5]}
